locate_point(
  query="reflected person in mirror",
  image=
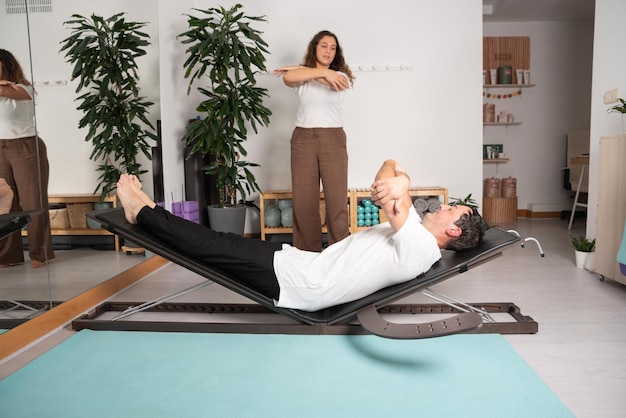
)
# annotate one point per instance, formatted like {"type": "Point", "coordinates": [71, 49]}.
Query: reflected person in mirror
{"type": "Point", "coordinates": [23, 165]}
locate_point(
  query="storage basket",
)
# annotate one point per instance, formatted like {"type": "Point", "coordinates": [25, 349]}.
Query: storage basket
{"type": "Point", "coordinates": [59, 219]}
{"type": "Point", "coordinates": [76, 213]}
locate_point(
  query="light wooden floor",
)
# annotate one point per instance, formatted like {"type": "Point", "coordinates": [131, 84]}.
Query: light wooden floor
{"type": "Point", "coordinates": [579, 351]}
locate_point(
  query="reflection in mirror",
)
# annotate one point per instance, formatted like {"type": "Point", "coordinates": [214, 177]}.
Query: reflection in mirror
{"type": "Point", "coordinates": [23, 171]}
{"type": "Point", "coordinates": [81, 257]}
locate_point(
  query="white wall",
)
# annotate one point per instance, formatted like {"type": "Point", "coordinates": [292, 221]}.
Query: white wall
{"type": "Point", "coordinates": [413, 116]}
{"type": "Point", "coordinates": [609, 61]}
{"type": "Point", "coordinates": [428, 118]}
{"type": "Point", "coordinates": [560, 61]}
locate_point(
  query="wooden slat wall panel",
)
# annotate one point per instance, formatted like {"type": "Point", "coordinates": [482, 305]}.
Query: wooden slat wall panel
{"type": "Point", "coordinates": [506, 50]}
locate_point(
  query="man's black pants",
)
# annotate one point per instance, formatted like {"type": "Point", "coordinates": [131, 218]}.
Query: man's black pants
{"type": "Point", "coordinates": [248, 260]}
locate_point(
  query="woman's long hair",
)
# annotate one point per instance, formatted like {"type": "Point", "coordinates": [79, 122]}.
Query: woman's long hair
{"type": "Point", "coordinates": [11, 68]}
{"type": "Point", "coordinates": [338, 64]}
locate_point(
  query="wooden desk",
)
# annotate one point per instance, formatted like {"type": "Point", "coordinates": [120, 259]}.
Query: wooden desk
{"type": "Point", "coordinates": [584, 161]}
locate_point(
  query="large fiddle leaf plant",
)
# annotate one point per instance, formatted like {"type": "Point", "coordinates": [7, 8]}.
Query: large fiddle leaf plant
{"type": "Point", "coordinates": [224, 55]}
{"type": "Point", "coordinates": [104, 52]}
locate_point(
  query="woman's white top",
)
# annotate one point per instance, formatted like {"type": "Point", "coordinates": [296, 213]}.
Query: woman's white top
{"type": "Point", "coordinates": [17, 117]}
{"type": "Point", "coordinates": [354, 267]}
{"type": "Point", "coordinates": [320, 105]}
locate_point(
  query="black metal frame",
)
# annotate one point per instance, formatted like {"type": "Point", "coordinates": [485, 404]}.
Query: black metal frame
{"type": "Point", "coordinates": [519, 324]}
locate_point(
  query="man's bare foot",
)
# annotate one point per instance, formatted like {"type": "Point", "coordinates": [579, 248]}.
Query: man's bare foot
{"type": "Point", "coordinates": [6, 197]}
{"type": "Point", "coordinates": [136, 186]}
{"type": "Point", "coordinates": [135, 181]}
{"type": "Point", "coordinates": [37, 264]}
{"type": "Point", "coordinates": [131, 201]}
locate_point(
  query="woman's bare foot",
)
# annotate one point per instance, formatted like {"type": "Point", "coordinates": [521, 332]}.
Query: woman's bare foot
{"type": "Point", "coordinates": [37, 264]}
{"type": "Point", "coordinates": [6, 197]}
{"type": "Point", "coordinates": [9, 265]}
{"type": "Point", "coordinates": [131, 201]}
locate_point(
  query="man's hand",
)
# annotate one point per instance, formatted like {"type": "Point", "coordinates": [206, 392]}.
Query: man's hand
{"type": "Point", "coordinates": [390, 191]}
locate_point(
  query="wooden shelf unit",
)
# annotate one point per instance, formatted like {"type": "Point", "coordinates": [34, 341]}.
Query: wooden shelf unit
{"type": "Point", "coordinates": [414, 192]}
{"type": "Point", "coordinates": [354, 197]}
{"type": "Point", "coordinates": [81, 198]}
{"type": "Point", "coordinates": [271, 197]}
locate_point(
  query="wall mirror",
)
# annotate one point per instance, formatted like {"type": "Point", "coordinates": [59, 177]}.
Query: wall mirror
{"type": "Point", "coordinates": [32, 30]}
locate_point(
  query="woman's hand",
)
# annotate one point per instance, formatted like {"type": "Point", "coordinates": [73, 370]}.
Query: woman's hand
{"type": "Point", "coordinates": [9, 84]}
{"type": "Point", "coordinates": [335, 80]}
{"type": "Point", "coordinates": [13, 91]}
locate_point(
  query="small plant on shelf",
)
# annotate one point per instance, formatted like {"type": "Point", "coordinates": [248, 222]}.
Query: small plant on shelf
{"type": "Point", "coordinates": [467, 201]}
{"type": "Point", "coordinates": [581, 243]}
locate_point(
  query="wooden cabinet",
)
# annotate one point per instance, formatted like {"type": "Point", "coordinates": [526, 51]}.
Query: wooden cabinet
{"type": "Point", "coordinates": [64, 200]}
{"type": "Point", "coordinates": [354, 197]}
{"type": "Point", "coordinates": [611, 213]}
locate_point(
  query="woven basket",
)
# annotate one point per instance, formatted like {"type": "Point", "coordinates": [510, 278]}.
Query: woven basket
{"type": "Point", "coordinates": [59, 219]}
{"type": "Point", "coordinates": [76, 213]}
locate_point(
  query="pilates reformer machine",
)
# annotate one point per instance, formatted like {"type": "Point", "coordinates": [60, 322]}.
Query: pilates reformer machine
{"type": "Point", "coordinates": [367, 315]}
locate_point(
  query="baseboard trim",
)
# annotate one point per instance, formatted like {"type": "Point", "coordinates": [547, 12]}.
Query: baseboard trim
{"type": "Point", "coordinates": [525, 213]}
{"type": "Point", "coordinates": [22, 336]}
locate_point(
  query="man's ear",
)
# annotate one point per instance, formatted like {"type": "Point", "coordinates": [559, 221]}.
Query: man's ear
{"type": "Point", "coordinates": [453, 232]}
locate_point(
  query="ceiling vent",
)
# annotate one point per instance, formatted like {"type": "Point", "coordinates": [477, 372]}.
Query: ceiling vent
{"type": "Point", "coordinates": [17, 7]}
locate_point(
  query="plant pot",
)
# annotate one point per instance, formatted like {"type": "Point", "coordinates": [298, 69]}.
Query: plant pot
{"type": "Point", "coordinates": [91, 224]}
{"type": "Point", "coordinates": [581, 258]}
{"type": "Point", "coordinates": [590, 263]}
{"type": "Point", "coordinates": [228, 219]}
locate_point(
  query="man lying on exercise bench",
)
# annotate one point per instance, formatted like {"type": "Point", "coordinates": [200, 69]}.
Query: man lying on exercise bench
{"type": "Point", "coordinates": [377, 257]}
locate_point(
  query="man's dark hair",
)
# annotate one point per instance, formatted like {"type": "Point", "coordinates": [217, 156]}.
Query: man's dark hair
{"type": "Point", "coordinates": [473, 227]}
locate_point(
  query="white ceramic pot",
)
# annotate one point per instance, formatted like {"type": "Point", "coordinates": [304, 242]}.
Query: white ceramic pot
{"type": "Point", "coordinates": [590, 263]}
{"type": "Point", "coordinates": [581, 258]}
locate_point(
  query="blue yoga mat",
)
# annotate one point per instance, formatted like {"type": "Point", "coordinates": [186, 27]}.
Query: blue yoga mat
{"type": "Point", "coordinates": [146, 374]}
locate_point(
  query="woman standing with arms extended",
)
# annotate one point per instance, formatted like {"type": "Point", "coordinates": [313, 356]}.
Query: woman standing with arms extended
{"type": "Point", "coordinates": [318, 142]}
{"type": "Point", "coordinates": [23, 164]}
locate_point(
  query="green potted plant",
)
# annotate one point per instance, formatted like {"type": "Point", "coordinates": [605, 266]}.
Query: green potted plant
{"type": "Point", "coordinates": [222, 45]}
{"type": "Point", "coordinates": [466, 201]}
{"type": "Point", "coordinates": [620, 108]}
{"type": "Point", "coordinates": [104, 53]}
{"type": "Point", "coordinates": [583, 247]}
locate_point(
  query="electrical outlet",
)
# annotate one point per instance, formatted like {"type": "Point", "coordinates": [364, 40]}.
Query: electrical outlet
{"type": "Point", "coordinates": [611, 96]}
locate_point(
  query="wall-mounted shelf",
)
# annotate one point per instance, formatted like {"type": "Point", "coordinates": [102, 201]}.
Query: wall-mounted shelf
{"type": "Point", "coordinates": [501, 123]}
{"type": "Point", "coordinates": [507, 86]}
{"type": "Point", "coordinates": [496, 160]}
